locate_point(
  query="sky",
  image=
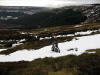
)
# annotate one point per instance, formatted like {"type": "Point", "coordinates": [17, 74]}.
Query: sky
{"type": "Point", "coordinates": [46, 3]}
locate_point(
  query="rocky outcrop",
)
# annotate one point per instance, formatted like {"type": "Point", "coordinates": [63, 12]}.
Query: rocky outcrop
{"type": "Point", "coordinates": [91, 11]}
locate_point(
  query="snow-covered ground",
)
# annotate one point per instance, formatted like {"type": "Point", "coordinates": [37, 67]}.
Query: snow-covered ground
{"type": "Point", "coordinates": [75, 47]}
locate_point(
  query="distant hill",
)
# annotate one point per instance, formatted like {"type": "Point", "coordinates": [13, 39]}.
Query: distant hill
{"type": "Point", "coordinates": [35, 17]}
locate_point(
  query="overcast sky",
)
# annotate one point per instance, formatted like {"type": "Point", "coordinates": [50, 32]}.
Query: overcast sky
{"type": "Point", "coordinates": [46, 3]}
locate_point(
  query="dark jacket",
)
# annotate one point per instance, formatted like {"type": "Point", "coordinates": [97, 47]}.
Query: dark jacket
{"type": "Point", "coordinates": [53, 40]}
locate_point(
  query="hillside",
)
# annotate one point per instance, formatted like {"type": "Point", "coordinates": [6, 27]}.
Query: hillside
{"type": "Point", "coordinates": [32, 17]}
{"type": "Point", "coordinates": [22, 50]}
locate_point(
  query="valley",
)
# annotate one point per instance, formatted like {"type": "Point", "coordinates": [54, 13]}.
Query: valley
{"type": "Point", "coordinates": [40, 17]}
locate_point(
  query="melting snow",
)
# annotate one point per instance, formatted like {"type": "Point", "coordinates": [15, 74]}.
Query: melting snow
{"type": "Point", "coordinates": [91, 52]}
{"type": "Point", "coordinates": [75, 47]}
{"type": "Point", "coordinates": [83, 33]}
{"type": "Point", "coordinates": [2, 49]}
{"type": "Point", "coordinates": [77, 33]}
{"type": "Point", "coordinates": [18, 43]}
{"type": "Point", "coordinates": [78, 25]}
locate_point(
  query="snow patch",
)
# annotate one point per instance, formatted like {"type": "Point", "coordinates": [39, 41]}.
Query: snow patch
{"type": "Point", "coordinates": [78, 25]}
{"type": "Point", "coordinates": [92, 52]}
{"type": "Point", "coordinates": [83, 33]}
{"type": "Point", "coordinates": [18, 43]}
{"type": "Point", "coordinates": [2, 50]}
{"type": "Point", "coordinates": [26, 33]}
{"type": "Point", "coordinates": [77, 33]}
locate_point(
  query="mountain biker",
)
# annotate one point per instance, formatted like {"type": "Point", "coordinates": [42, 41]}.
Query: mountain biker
{"type": "Point", "coordinates": [54, 43]}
